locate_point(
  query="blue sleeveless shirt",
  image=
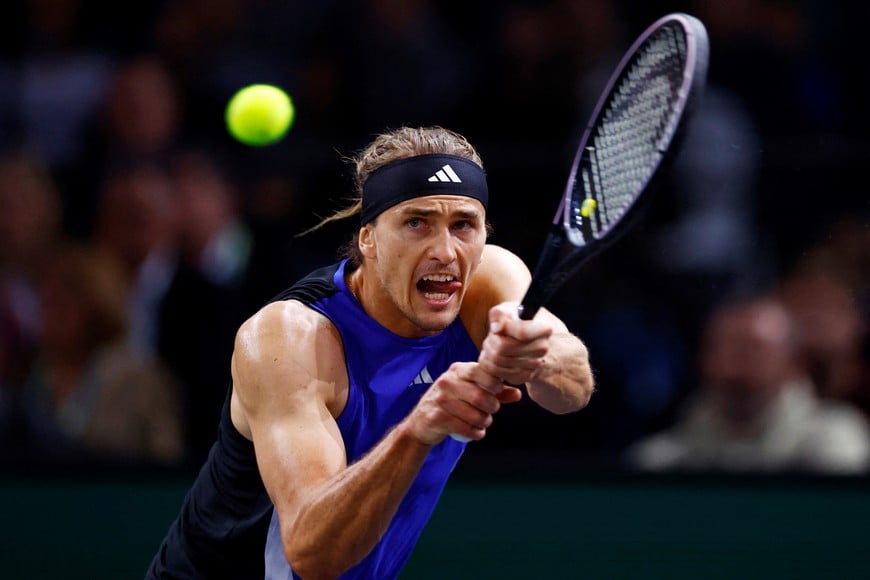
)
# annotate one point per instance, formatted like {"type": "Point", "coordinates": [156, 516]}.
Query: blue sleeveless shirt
{"type": "Point", "coordinates": [387, 376]}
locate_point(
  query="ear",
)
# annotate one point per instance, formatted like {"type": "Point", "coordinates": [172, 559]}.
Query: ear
{"type": "Point", "coordinates": [367, 244]}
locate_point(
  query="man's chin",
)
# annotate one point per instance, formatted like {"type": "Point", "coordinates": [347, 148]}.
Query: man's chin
{"type": "Point", "coordinates": [437, 321]}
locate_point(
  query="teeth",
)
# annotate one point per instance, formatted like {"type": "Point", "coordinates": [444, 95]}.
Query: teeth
{"type": "Point", "coordinates": [438, 278]}
{"type": "Point", "coordinates": [436, 295]}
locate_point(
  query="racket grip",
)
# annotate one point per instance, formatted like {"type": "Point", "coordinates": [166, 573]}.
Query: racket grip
{"type": "Point", "coordinates": [531, 303]}
{"type": "Point", "coordinates": [536, 294]}
{"type": "Point", "coordinates": [460, 438]}
{"type": "Point", "coordinates": [526, 311]}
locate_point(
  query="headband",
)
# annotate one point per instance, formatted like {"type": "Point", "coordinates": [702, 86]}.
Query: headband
{"type": "Point", "coordinates": [432, 174]}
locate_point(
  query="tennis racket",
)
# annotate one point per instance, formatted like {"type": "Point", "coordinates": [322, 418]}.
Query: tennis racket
{"type": "Point", "coordinates": [632, 131]}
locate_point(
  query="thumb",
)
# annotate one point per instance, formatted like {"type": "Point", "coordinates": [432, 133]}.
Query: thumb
{"type": "Point", "coordinates": [497, 318]}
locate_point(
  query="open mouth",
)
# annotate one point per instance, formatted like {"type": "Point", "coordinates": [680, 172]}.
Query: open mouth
{"type": "Point", "coordinates": [438, 287]}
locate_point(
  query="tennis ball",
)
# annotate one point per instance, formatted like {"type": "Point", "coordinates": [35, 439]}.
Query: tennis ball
{"type": "Point", "coordinates": [260, 114]}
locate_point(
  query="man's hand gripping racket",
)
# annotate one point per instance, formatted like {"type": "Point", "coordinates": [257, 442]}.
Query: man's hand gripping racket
{"type": "Point", "coordinates": [632, 132]}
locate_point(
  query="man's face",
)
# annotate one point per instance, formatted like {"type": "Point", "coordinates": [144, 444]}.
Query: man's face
{"type": "Point", "coordinates": [747, 359]}
{"type": "Point", "coordinates": [424, 252]}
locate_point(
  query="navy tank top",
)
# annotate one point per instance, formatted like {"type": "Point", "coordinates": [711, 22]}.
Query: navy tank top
{"type": "Point", "coordinates": [227, 526]}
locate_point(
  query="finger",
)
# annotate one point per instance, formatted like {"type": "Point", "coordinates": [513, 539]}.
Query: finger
{"type": "Point", "coordinates": [470, 384]}
{"type": "Point", "coordinates": [510, 395]}
{"type": "Point", "coordinates": [516, 359]}
{"type": "Point", "coordinates": [444, 410]}
{"type": "Point", "coordinates": [509, 368]}
{"type": "Point", "coordinates": [498, 317]}
{"type": "Point", "coordinates": [475, 414]}
{"type": "Point", "coordinates": [525, 330]}
{"type": "Point", "coordinates": [471, 421]}
{"type": "Point", "coordinates": [504, 345]}
{"type": "Point", "coordinates": [503, 320]}
{"type": "Point", "coordinates": [477, 431]}
{"type": "Point", "coordinates": [468, 422]}
{"type": "Point", "coordinates": [477, 374]}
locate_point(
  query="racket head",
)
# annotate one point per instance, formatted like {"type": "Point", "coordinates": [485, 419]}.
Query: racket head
{"type": "Point", "coordinates": [633, 128]}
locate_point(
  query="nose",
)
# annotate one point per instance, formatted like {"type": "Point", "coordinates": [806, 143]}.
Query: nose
{"type": "Point", "coordinates": [443, 246]}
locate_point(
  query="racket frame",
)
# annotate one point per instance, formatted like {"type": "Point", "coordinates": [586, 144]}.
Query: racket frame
{"type": "Point", "coordinates": [552, 268]}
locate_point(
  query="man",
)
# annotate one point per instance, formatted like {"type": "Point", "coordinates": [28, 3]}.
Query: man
{"type": "Point", "coordinates": [757, 410]}
{"type": "Point", "coordinates": [349, 386]}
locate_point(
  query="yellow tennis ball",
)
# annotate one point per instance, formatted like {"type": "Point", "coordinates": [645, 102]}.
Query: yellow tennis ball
{"type": "Point", "coordinates": [260, 114]}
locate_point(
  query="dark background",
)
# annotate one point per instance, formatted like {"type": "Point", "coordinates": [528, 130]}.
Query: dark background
{"type": "Point", "coordinates": [780, 144]}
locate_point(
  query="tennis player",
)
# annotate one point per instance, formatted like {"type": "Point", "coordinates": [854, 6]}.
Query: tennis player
{"type": "Point", "coordinates": [355, 391]}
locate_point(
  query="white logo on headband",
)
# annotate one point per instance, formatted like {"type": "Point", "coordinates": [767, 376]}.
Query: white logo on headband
{"type": "Point", "coordinates": [447, 175]}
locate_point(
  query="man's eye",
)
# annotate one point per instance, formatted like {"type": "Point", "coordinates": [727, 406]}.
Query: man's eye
{"type": "Point", "coordinates": [415, 223]}
{"type": "Point", "coordinates": [463, 225]}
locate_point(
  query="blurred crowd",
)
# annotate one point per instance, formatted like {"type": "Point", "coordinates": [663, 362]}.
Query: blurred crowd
{"type": "Point", "coordinates": [728, 330]}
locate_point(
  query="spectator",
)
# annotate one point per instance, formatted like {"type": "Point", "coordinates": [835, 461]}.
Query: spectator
{"type": "Point", "coordinates": [831, 335]}
{"type": "Point", "coordinates": [844, 252]}
{"type": "Point", "coordinates": [87, 393]}
{"type": "Point", "coordinates": [30, 216]}
{"type": "Point", "coordinates": [30, 220]}
{"type": "Point", "coordinates": [829, 292]}
{"type": "Point", "coordinates": [207, 297]}
{"type": "Point", "coordinates": [757, 409]}
{"type": "Point", "coordinates": [141, 120]}
{"type": "Point", "coordinates": [135, 223]}
{"type": "Point", "coordinates": [61, 77]}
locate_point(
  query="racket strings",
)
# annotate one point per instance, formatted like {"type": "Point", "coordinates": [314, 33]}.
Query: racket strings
{"type": "Point", "coordinates": [635, 128]}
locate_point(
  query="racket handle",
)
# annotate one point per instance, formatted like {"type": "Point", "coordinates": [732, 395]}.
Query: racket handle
{"type": "Point", "coordinates": [460, 438]}
{"type": "Point", "coordinates": [532, 301]}
{"type": "Point", "coordinates": [527, 311]}
{"type": "Point", "coordinates": [536, 295]}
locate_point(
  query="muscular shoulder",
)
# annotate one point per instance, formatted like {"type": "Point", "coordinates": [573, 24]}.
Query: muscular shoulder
{"type": "Point", "coordinates": [283, 349]}
{"type": "Point", "coordinates": [504, 269]}
{"type": "Point", "coordinates": [278, 324]}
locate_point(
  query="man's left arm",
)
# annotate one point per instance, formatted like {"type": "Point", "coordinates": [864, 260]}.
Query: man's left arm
{"type": "Point", "coordinates": [564, 383]}
{"type": "Point", "coordinates": [543, 354]}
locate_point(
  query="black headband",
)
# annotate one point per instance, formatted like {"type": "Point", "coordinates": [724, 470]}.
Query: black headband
{"type": "Point", "coordinates": [434, 174]}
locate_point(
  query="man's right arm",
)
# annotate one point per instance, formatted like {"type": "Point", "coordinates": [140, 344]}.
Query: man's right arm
{"type": "Point", "coordinates": [289, 383]}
